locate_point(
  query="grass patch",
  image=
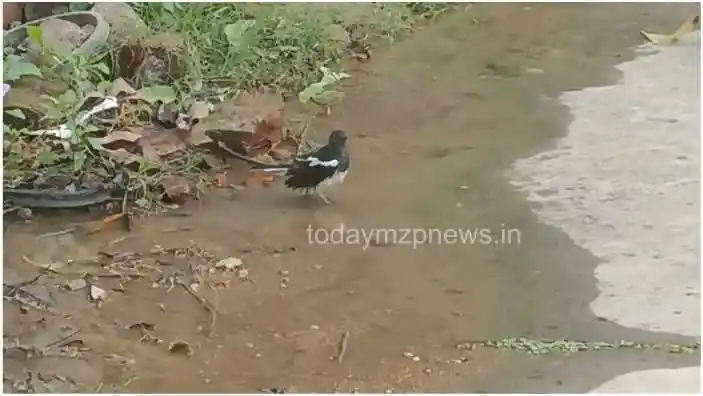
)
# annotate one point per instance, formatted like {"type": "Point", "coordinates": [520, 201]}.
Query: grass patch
{"type": "Point", "coordinates": [229, 48]}
{"type": "Point", "coordinates": [279, 45]}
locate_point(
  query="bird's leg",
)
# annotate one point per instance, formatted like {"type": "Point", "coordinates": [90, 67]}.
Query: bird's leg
{"type": "Point", "coordinates": [319, 194]}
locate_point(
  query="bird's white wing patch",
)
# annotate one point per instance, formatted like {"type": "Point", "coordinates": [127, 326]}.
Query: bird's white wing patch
{"type": "Point", "coordinates": [316, 162]}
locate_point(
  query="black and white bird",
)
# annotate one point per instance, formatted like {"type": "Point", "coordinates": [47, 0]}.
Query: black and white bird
{"type": "Point", "coordinates": [320, 170]}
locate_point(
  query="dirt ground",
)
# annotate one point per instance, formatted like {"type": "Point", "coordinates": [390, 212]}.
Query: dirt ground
{"type": "Point", "coordinates": [433, 122]}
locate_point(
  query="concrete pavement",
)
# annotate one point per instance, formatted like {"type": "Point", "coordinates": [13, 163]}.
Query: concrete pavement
{"type": "Point", "coordinates": [627, 176]}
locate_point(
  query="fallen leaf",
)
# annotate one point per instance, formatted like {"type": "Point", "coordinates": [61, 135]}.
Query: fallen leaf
{"type": "Point", "coordinates": [97, 294]}
{"type": "Point", "coordinates": [284, 150]}
{"type": "Point", "coordinates": [119, 135]}
{"type": "Point", "coordinates": [167, 114]}
{"type": "Point", "coordinates": [17, 113]}
{"type": "Point", "coordinates": [156, 143]}
{"type": "Point", "coordinates": [141, 326]}
{"type": "Point", "coordinates": [156, 93]}
{"type": "Point", "coordinates": [123, 156]}
{"type": "Point", "coordinates": [221, 180]}
{"type": "Point", "coordinates": [76, 284]}
{"type": "Point", "coordinates": [686, 27]}
{"type": "Point", "coordinates": [118, 360]}
{"type": "Point", "coordinates": [236, 32]}
{"type": "Point", "coordinates": [197, 136]}
{"type": "Point", "coordinates": [212, 161]}
{"type": "Point", "coordinates": [199, 110]}
{"type": "Point", "coordinates": [230, 263]}
{"type": "Point", "coordinates": [180, 348]}
{"type": "Point", "coordinates": [177, 187]}
{"type": "Point", "coordinates": [149, 154]}
{"type": "Point", "coordinates": [268, 133]}
{"type": "Point", "coordinates": [120, 87]}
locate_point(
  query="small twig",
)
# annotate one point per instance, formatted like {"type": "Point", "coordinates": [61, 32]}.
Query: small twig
{"type": "Point", "coordinates": [62, 339]}
{"type": "Point", "coordinates": [240, 156]}
{"type": "Point", "coordinates": [179, 229]}
{"type": "Point", "coordinates": [119, 275]}
{"type": "Point", "coordinates": [10, 210]}
{"type": "Point", "coordinates": [118, 240]}
{"type": "Point", "coordinates": [23, 283]}
{"type": "Point", "coordinates": [99, 388]}
{"type": "Point", "coordinates": [342, 347]}
{"type": "Point", "coordinates": [124, 202]}
{"type": "Point", "coordinates": [211, 309]}
{"type": "Point", "coordinates": [43, 267]}
{"type": "Point", "coordinates": [57, 233]}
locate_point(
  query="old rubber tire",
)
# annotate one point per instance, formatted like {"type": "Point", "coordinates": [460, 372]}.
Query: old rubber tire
{"type": "Point", "coordinates": [91, 46]}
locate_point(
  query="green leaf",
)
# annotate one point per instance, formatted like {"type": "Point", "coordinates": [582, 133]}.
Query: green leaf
{"type": "Point", "coordinates": [67, 99]}
{"type": "Point", "coordinates": [329, 77]}
{"type": "Point", "coordinates": [318, 89]}
{"type": "Point", "coordinates": [17, 113]}
{"type": "Point", "coordinates": [14, 67]}
{"type": "Point", "coordinates": [79, 158]}
{"type": "Point", "coordinates": [169, 7]}
{"type": "Point", "coordinates": [35, 34]}
{"type": "Point", "coordinates": [77, 6]}
{"type": "Point", "coordinates": [47, 157]}
{"type": "Point", "coordinates": [102, 68]}
{"type": "Point", "coordinates": [155, 93]}
{"type": "Point", "coordinates": [311, 91]}
{"type": "Point", "coordinates": [48, 98]}
{"type": "Point", "coordinates": [235, 32]}
{"type": "Point", "coordinates": [104, 87]}
{"type": "Point", "coordinates": [328, 97]}
{"type": "Point", "coordinates": [95, 144]}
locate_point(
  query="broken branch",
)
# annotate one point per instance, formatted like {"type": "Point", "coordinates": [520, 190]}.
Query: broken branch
{"type": "Point", "coordinates": [208, 306]}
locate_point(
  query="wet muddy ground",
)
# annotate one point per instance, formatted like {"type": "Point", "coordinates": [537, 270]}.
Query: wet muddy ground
{"type": "Point", "coordinates": [433, 123]}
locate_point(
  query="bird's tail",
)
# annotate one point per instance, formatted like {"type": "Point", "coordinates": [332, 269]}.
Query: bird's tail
{"type": "Point", "coordinates": [279, 169]}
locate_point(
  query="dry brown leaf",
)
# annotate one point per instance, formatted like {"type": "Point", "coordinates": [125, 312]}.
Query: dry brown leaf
{"type": "Point", "coordinates": [165, 143]}
{"type": "Point", "coordinates": [686, 27]}
{"type": "Point", "coordinates": [181, 348]}
{"type": "Point", "coordinates": [220, 180]}
{"type": "Point", "coordinates": [129, 58]}
{"type": "Point", "coordinates": [199, 110]}
{"type": "Point", "coordinates": [123, 156]}
{"type": "Point", "coordinates": [167, 114]}
{"type": "Point", "coordinates": [119, 135]}
{"type": "Point", "coordinates": [284, 150]}
{"type": "Point", "coordinates": [120, 87]}
{"type": "Point", "coordinates": [268, 133]}
{"type": "Point", "coordinates": [177, 187]}
{"type": "Point", "coordinates": [197, 136]}
{"type": "Point", "coordinates": [149, 154]}
{"type": "Point", "coordinates": [212, 161]}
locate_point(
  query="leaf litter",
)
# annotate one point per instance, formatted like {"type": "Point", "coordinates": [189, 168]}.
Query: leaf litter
{"type": "Point", "coordinates": [166, 147]}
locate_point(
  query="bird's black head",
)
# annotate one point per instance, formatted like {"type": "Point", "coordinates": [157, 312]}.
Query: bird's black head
{"type": "Point", "coordinates": [338, 136]}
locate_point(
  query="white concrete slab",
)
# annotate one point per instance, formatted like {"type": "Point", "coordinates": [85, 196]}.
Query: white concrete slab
{"type": "Point", "coordinates": [684, 380]}
{"type": "Point", "coordinates": [624, 184]}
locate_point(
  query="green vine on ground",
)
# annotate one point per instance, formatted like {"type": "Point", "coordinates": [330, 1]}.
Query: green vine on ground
{"type": "Point", "coordinates": [545, 347]}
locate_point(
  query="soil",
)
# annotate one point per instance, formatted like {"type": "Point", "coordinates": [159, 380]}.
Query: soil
{"type": "Point", "coordinates": [434, 122]}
